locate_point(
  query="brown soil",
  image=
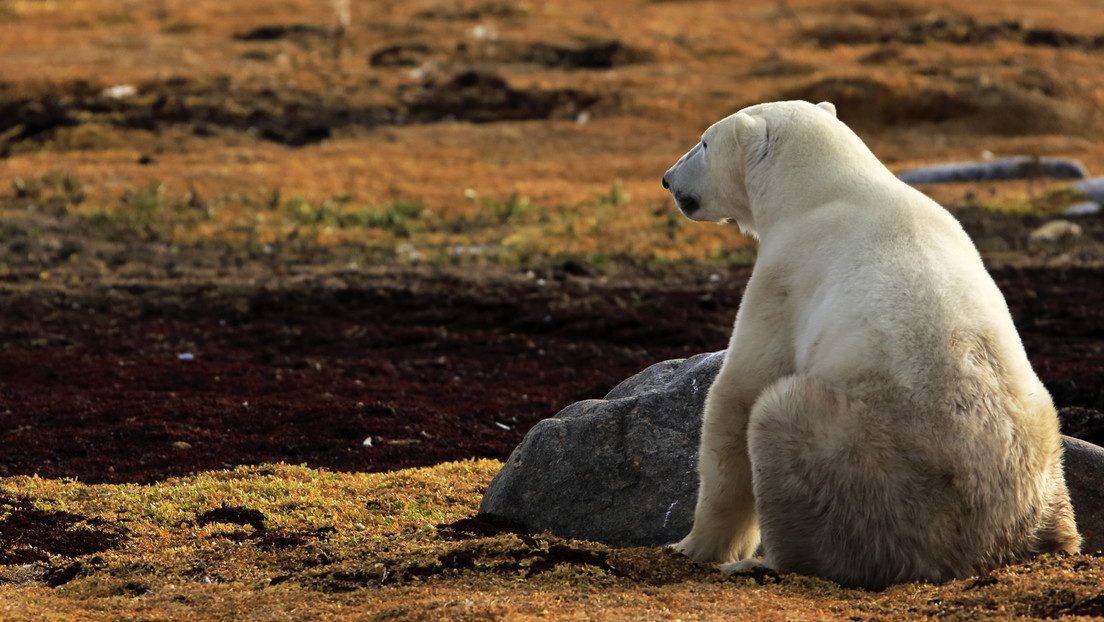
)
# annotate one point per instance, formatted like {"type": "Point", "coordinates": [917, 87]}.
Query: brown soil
{"type": "Point", "coordinates": [138, 379]}
{"type": "Point", "coordinates": [141, 379]}
{"type": "Point", "coordinates": [213, 326]}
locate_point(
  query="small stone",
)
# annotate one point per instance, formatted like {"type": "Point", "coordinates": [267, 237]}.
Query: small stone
{"type": "Point", "coordinates": [1055, 232]}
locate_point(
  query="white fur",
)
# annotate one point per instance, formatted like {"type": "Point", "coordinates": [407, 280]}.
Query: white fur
{"type": "Point", "coordinates": [876, 419]}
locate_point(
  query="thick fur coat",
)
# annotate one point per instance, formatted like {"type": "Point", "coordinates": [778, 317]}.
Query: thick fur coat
{"type": "Point", "coordinates": [876, 419]}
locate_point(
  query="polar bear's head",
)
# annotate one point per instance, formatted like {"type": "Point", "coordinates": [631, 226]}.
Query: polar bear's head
{"type": "Point", "coordinates": [710, 182]}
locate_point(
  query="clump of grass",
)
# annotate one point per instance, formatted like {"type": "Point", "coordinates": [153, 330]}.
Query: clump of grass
{"type": "Point", "coordinates": [494, 212]}
{"type": "Point", "coordinates": [510, 209]}
{"type": "Point", "coordinates": [397, 216]}
{"type": "Point", "coordinates": [300, 211]}
{"type": "Point", "coordinates": [148, 212]}
{"type": "Point", "coordinates": [57, 191]}
{"type": "Point", "coordinates": [26, 189]}
{"type": "Point", "coordinates": [1052, 201]}
{"type": "Point", "coordinates": [144, 201]}
{"type": "Point", "coordinates": [1057, 200]}
{"type": "Point", "coordinates": [400, 217]}
{"type": "Point", "coordinates": [616, 196]}
{"type": "Point", "coordinates": [73, 190]}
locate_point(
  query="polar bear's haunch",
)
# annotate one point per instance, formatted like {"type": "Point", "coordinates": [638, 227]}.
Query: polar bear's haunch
{"type": "Point", "coordinates": [876, 419]}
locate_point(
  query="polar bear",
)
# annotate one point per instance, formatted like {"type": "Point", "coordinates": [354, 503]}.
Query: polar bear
{"type": "Point", "coordinates": [876, 419]}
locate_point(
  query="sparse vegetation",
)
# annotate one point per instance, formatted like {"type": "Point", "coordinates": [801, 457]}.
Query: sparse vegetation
{"type": "Point", "coordinates": [283, 538]}
{"type": "Point", "coordinates": [509, 231]}
{"type": "Point", "coordinates": [144, 203]}
{"type": "Point", "coordinates": [399, 217]}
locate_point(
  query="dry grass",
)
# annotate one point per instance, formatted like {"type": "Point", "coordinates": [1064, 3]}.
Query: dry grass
{"type": "Point", "coordinates": [356, 546]}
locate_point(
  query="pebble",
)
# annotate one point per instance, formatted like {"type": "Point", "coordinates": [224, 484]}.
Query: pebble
{"type": "Point", "coordinates": [1056, 231]}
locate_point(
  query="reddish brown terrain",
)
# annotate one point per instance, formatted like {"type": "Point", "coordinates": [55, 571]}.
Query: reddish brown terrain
{"type": "Point", "coordinates": [362, 371]}
{"type": "Point", "coordinates": [349, 369]}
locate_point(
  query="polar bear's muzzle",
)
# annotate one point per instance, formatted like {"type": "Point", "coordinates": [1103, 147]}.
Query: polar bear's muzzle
{"type": "Point", "coordinates": [683, 180]}
{"type": "Point", "coordinates": [687, 203]}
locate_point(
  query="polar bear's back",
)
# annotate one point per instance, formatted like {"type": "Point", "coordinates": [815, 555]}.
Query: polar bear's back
{"type": "Point", "coordinates": [897, 287]}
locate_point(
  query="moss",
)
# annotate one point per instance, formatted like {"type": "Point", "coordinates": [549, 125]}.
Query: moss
{"type": "Point", "coordinates": [281, 538]}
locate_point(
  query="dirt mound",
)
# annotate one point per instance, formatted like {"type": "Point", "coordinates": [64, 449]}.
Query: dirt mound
{"type": "Point", "coordinates": [896, 23]}
{"type": "Point", "coordinates": [605, 54]}
{"type": "Point", "coordinates": [483, 97]}
{"type": "Point", "coordinates": [583, 55]}
{"type": "Point", "coordinates": [288, 116]}
{"type": "Point", "coordinates": [970, 103]}
{"type": "Point", "coordinates": [1003, 101]}
{"type": "Point", "coordinates": [400, 55]}
{"type": "Point", "coordinates": [283, 31]}
{"type": "Point", "coordinates": [31, 535]}
{"type": "Point", "coordinates": [468, 12]}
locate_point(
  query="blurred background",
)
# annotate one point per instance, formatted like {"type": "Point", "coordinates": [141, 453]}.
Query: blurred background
{"type": "Point", "coordinates": [460, 130]}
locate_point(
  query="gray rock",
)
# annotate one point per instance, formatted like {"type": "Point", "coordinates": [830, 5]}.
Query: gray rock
{"type": "Point", "coordinates": [1093, 188]}
{"type": "Point", "coordinates": [623, 470]}
{"type": "Point", "coordinates": [1085, 478]}
{"type": "Point", "coordinates": [1022, 167]}
{"type": "Point", "coordinates": [1083, 423]}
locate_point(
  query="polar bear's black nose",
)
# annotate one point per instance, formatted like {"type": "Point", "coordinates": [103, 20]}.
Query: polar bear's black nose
{"type": "Point", "coordinates": [665, 185]}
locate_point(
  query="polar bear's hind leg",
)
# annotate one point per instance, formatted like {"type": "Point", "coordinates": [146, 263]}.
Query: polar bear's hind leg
{"type": "Point", "coordinates": [836, 498]}
{"type": "Point", "coordinates": [1057, 530]}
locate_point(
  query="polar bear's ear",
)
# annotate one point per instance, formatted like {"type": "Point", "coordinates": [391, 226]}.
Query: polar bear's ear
{"type": "Point", "coordinates": [829, 106]}
{"type": "Point", "coordinates": [751, 134]}
{"type": "Point", "coordinates": [745, 126]}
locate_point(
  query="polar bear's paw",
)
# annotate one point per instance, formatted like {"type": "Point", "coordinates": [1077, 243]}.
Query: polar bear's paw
{"type": "Point", "coordinates": [698, 550]}
{"type": "Point", "coordinates": [751, 565]}
{"type": "Point", "coordinates": [712, 550]}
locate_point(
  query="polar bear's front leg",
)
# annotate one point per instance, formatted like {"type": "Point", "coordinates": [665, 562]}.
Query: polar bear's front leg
{"type": "Point", "coordinates": [726, 526]}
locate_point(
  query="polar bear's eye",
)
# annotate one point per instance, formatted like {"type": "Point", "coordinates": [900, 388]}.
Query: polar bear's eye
{"type": "Point", "coordinates": [704, 146]}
